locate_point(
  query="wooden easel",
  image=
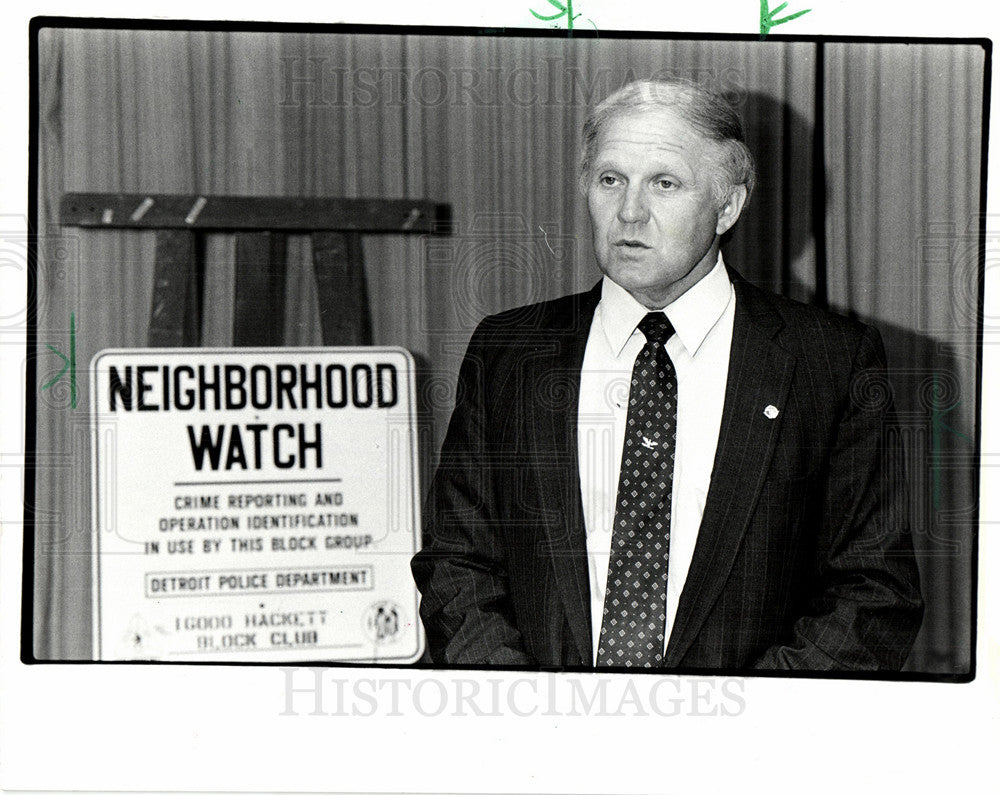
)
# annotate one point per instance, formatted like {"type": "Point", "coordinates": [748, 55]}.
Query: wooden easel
{"type": "Point", "coordinates": [261, 225]}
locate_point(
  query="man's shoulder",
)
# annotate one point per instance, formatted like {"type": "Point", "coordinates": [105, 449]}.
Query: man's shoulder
{"type": "Point", "coordinates": [801, 325]}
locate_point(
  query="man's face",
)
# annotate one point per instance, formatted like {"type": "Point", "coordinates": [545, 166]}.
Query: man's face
{"type": "Point", "coordinates": [655, 218]}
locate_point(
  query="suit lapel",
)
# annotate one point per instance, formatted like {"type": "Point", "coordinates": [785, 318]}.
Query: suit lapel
{"type": "Point", "coordinates": [554, 379]}
{"type": "Point", "coordinates": [760, 372]}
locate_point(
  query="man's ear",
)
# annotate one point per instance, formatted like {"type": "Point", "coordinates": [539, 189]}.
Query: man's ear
{"type": "Point", "coordinates": [729, 213]}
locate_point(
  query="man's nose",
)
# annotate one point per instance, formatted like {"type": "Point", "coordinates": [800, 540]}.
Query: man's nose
{"type": "Point", "coordinates": [633, 208]}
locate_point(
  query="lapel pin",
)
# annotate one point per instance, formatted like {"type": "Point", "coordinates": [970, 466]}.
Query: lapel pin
{"type": "Point", "coordinates": [771, 412]}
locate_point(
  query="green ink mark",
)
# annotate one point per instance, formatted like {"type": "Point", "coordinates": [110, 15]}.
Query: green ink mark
{"type": "Point", "coordinates": [937, 425]}
{"type": "Point", "coordinates": [69, 363]}
{"type": "Point", "coordinates": [563, 11]}
{"type": "Point", "coordinates": [767, 16]}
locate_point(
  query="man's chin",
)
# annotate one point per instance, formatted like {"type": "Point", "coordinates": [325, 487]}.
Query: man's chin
{"type": "Point", "coordinates": [632, 273]}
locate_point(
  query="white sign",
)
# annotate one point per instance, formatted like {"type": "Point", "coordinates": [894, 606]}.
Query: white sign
{"type": "Point", "coordinates": [255, 505]}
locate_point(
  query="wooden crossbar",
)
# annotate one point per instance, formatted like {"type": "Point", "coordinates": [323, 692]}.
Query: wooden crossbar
{"type": "Point", "coordinates": [265, 213]}
{"type": "Point", "coordinates": [261, 224]}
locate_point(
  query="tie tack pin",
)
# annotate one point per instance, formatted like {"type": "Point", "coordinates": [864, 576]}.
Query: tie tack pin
{"type": "Point", "coordinates": [771, 412]}
{"type": "Point", "coordinates": [648, 443]}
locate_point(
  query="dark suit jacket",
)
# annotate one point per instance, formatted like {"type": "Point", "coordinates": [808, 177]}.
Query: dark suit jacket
{"type": "Point", "coordinates": [803, 559]}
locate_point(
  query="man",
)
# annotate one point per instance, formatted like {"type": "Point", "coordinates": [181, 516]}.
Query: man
{"type": "Point", "coordinates": [674, 470]}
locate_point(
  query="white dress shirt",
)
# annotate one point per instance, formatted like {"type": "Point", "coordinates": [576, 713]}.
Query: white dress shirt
{"type": "Point", "coordinates": [703, 320]}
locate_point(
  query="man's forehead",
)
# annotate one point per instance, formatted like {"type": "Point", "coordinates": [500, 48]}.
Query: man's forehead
{"type": "Point", "coordinates": [660, 126]}
{"type": "Point", "coordinates": [657, 131]}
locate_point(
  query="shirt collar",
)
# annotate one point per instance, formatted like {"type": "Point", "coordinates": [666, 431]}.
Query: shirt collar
{"type": "Point", "coordinates": [693, 314]}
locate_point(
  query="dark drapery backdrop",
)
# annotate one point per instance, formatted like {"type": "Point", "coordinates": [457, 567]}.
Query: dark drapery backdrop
{"type": "Point", "coordinates": [868, 202]}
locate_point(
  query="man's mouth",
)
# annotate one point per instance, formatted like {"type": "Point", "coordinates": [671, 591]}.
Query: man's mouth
{"type": "Point", "coordinates": [630, 243]}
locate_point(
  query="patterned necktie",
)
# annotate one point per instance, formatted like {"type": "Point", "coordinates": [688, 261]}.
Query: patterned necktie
{"type": "Point", "coordinates": [635, 609]}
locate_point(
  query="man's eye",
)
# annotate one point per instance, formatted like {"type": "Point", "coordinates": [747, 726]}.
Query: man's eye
{"type": "Point", "coordinates": [665, 184]}
{"type": "Point", "coordinates": [608, 179]}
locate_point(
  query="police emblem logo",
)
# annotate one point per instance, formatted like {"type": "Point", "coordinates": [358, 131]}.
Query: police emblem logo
{"type": "Point", "coordinates": [382, 621]}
